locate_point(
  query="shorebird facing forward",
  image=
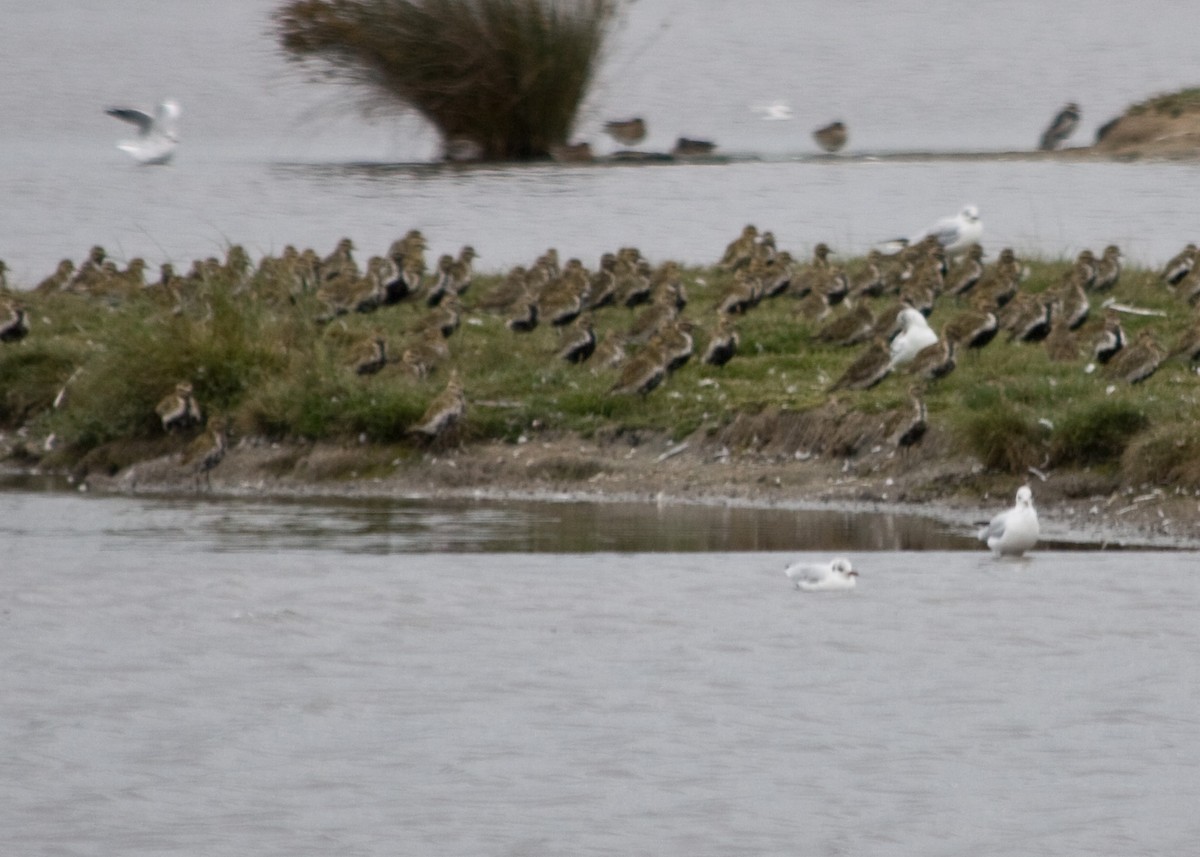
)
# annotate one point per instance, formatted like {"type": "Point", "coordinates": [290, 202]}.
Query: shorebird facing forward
{"type": "Point", "coordinates": [1014, 531]}
{"type": "Point", "coordinates": [157, 135]}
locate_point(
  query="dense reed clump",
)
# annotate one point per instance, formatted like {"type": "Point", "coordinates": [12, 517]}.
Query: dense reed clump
{"type": "Point", "coordinates": [500, 79]}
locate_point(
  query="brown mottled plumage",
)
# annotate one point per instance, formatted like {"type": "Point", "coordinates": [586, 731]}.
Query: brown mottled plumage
{"type": "Point", "coordinates": [445, 412]}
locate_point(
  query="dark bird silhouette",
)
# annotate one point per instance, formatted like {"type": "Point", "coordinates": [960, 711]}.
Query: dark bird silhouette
{"type": "Point", "coordinates": [1061, 128]}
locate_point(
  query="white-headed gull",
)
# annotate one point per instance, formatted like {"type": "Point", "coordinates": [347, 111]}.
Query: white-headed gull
{"type": "Point", "coordinates": [815, 577]}
{"type": "Point", "coordinates": [956, 233]}
{"type": "Point", "coordinates": [915, 334]}
{"type": "Point", "coordinates": [157, 135]}
{"type": "Point", "coordinates": [1015, 531]}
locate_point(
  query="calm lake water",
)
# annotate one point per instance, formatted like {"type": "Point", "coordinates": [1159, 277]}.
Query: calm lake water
{"type": "Point", "coordinates": [270, 158]}
{"type": "Point", "coordinates": [184, 676]}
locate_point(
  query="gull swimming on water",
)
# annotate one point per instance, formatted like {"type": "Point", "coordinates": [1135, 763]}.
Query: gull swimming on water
{"type": "Point", "coordinates": [815, 577]}
{"type": "Point", "coordinates": [157, 134]}
{"type": "Point", "coordinates": [1014, 531]}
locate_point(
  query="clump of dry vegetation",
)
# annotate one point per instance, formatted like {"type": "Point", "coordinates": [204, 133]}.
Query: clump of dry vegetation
{"type": "Point", "coordinates": [500, 79]}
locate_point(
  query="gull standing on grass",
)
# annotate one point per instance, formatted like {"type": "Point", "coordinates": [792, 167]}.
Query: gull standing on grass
{"type": "Point", "coordinates": [1014, 531]}
{"type": "Point", "coordinates": [815, 577]}
{"type": "Point", "coordinates": [914, 336]}
{"type": "Point", "coordinates": [956, 233]}
{"type": "Point", "coordinates": [157, 135]}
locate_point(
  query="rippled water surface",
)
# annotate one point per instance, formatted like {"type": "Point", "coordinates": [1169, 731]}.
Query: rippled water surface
{"type": "Point", "coordinates": [269, 158]}
{"type": "Point", "coordinates": [185, 677]}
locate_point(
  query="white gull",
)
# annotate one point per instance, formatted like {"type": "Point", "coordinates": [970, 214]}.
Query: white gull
{"type": "Point", "coordinates": [1015, 531]}
{"type": "Point", "coordinates": [915, 334]}
{"type": "Point", "coordinates": [956, 233]}
{"type": "Point", "coordinates": [815, 577]}
{"type": "Point", "coordinates": [157, 134]}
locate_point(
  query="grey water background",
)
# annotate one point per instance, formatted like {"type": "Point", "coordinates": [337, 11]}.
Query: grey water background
{"type": "Point", "coordinates": [269, 158]}
{"type": "Point", "coordinates": [182, 676]}
{"type": "Point", "coordinates": [188, 676]}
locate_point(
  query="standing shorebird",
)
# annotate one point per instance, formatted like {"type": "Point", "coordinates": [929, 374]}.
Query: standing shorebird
{"type": "Point", "coordinates": [627, 132]}
{"type": "Point", "coordinates": [1001, 281]}
{"type": "Point", "coordinates": [206, 452]}
{"type": "Point", "coordinates": [1180, 265]}
{"type": "Point", "coordinates": [524, 317]}
{"type": "Point", "coordinates": [1061, 344]}
{"type": "Point", "coordinates": [974, 327]}
{"type": "Point", "coordinates": [1061, 128]}
{"type": "Point", "coordinates": [854, 326]}
{"type": "Point", "coordinates": [14, 321]}
{"type": "Point", "coordinates": [643, 372]}
{"type": "Point", "coordinates": [832, 137]}
{"type": "Point", "coordinates": [1072, 299]}
{"type": "Point", "coordinates": [579, 341]}
{"type": "Point", "coordinates": [740, 250]}
{"type": "Point", "coordinates": [909, 429]}
{"type": "Point", "coordinates": [442, 283]}
{"type": "Point", "coordinates": [1028, 317]}
{"type": "Point", "coordinates": [1138, 361]}
{"type": "Point", "coordinates": [1108, 269]}
{"type": "Point", "coordinates": [723, 343]}
{"type": "Point", "coordinates": [870, 367]}
{"type": "Point", "coordinates": [1110, 341]}
{"type": "Point", "coordinates": [677, 343]}
{"type": "Point", "coordinates": [370, 356]}
{"type": "Point", "coordinates": [422, 355]}
{"type": "Point", "coordinates": [59, 279]}
{"type": "Point", "coordinates": [966, 273]}
{"type": "Point", "coordinates": [179, 409]}
{"type": "Point", "coordinates": [610, 352]}
{"type": "Point", "coordinates": [340, 263]}
{"type": "Point", "coordinates": [935, 361]}
{"type": "Point", "coordinates": [444, 412]}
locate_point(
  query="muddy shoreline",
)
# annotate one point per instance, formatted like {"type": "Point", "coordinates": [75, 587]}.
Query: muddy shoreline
{"type": "Point", "coordinates": [1075, 507]}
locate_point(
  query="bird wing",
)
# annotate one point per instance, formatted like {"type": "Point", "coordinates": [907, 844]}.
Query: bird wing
{"type": "Point", "coordinates": [144, 121]}
{"type": "Point", "coordinates": [995, 528]}
{"type": "Point", "coordinates": [945, 231]}
{"type": "Point", "coordinates": [806, 573]}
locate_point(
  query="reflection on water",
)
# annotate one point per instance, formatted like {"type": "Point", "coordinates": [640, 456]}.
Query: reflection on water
{"type": "Point", "coordinates": [386, 526]}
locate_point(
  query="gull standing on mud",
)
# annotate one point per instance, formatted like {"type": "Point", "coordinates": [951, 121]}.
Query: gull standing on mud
{"type": "Point", "coordinates": [157, 135]}
{"type": "Point", "coordinates": [1014, 531]}
{"type": "Point", "coordinates": [815, 577]}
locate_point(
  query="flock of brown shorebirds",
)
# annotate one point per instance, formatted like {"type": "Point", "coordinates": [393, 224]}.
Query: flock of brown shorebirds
{"type": "Point", "coordinates": [830, 138]}
{"type": "Point", "coordinates": [881, 307]}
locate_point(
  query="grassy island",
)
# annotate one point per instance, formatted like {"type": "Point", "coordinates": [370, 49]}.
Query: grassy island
{"type": "Point", "coordinates": [276, 351]}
